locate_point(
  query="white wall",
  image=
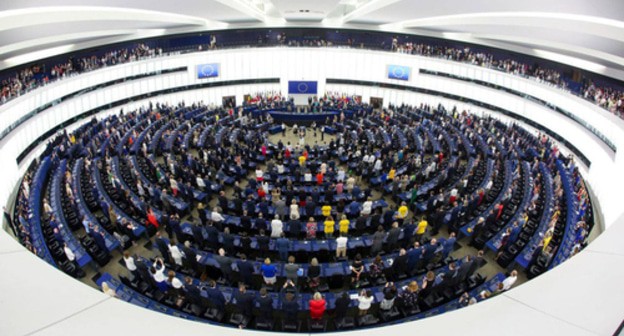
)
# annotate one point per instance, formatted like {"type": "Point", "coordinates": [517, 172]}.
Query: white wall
{"type": "Point", "coordinates": [320, 64]}
{"type": "Point", "coordinates": [552, 303]}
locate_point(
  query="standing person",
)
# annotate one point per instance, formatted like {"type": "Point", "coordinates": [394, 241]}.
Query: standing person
{"type": "Point", "coordinates": [393, 237]}
{"type": "Point", "coordinates": [344, 225]}
{"type": "Point", "coordinates": [357, 269]}
{"type": "Point", "coordinates": [269, 272]}
{"type": "Point", "coordinates": [175, 252]}
{"type": "Point", "coordinates": [329, 227]}
{"type": "Point", "coordinates": [311, 227]}
{"type": "Point", "coordinates": [402, 212]}
{"type": "Point", "coordinates": [225, 265]}
{"type": "Point", "coordinates": [421, 229]}
{"type": "Point", "coordinates": [244, 302]}
{"type": "Point", "coordinates": [130, 265]}
{"type": "Point", "coordinates": [265, 304]}
{"type": "Point", "coordinates": [365, 299]}
{"type": "Point", "coordinates": [341, 246]}
{"type": "Point", "coordinates": [317, 306]}
{"type": "Point", "coordinates": [291, 269]}
{"type": "Point", "coordinates": [314, 274]}
{"type": "Point", "coordinates": [276, 227]}
{"type": "Point", "coordinates": [378, 239]}
{"type": "Point", "coordinates": [245, 270]}
{"type": "Point", "coordinates": [367, 207]}
{"type": "Point", "coordinates": [282, 244]}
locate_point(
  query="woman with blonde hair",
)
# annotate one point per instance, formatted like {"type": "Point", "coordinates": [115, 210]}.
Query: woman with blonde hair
{"type": "Point", "coordinates": [344, 224]}
{"type": "Point", "coordinates": [269, 272]}
{"type": "Point", "coordinates": [317, 306]}
{"type": "Point", "coordinates": [409, 296]}
{"type": "Point", "coordinates": [314, 274]}
{"type": "Point", "coordinates": [107, 290]}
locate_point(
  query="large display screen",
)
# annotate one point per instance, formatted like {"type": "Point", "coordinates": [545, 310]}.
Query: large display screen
{"type": "Point", "coordinates": [208, 70]}
{"type": "Point", "coordinates": [399, 72]}
{"type": "Point", "coordinates": [301, 87]}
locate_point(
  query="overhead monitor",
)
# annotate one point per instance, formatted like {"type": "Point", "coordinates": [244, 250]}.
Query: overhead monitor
{"type": "Point", "coordinates": [399, 72]}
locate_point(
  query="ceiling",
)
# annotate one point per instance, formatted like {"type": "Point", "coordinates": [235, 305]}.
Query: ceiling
{"type": "Point", "coordinates": [589, 34]}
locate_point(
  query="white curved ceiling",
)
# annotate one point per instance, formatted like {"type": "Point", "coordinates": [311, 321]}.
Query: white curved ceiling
{"type": "Point", "coordinates": [592, 31]}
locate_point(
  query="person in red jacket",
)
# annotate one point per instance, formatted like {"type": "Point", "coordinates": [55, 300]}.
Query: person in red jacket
{"type": "Point", "coordinates": [317, 306]}
{"type": "Point", "coordinates": [319, 178]}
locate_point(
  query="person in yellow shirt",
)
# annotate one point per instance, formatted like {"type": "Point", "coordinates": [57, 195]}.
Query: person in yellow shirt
{"type": "Point", "coordinates": [421, 229]}
{"type": "Point", "coordinates": [402, 212]}
{"type": "Point", "coordinates": [329, 227]}
{"type": "Point", "coordinates": [302, 160]}
{"type": "Point", "coordinates": [326, 210]}
{"type": "Point", "coordinates": [547, 238]}
{"type": "Point", "coordinates": [391, 174]}
{"type": "Point", "coordinates": [344, 225]}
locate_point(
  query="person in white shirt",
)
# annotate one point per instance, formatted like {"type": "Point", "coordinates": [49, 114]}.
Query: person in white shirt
{"type": "Point", "coordinates": [176, 254]}
{"type": "Point", "coordinates": [215, 216]}
{"type": "Point", "coordinates": [129, 261]}
{"type": "Point", "coordinates": [307, 177]}
{"type": "Point", "coordinates": [377, 166]}
{"type": "Point", "coordinates": [276, 227]}
{"type": "Point", "coordinates": [69, 253]}
{"type": "Point", "coordinates": [175, 282]}
{"type": "Point", "coordinates": [510, 280]}
{"type": "Point", "coordinates": [367, 207]}
{"type": "Point", "coordinates": [294, 210]}
{"type": "Point", "coordinates": [200, 182]}
{"type": "Point", "coordinates": [341, 175]}
{"type": "Point", "coordinates": [366, 158]}
{"type": "Point", "coordinates": [259, 175]}
{"type": "Point", "coordinates": [323, 168]}
{"type": "Point", "coordinates": [280, 168]}
{"type": "Point", "coordinates": [364, 301]}
{"type": "Point", "coordinates": [489, 185]}
{"type": "Point", "coordinates": [341, 246]}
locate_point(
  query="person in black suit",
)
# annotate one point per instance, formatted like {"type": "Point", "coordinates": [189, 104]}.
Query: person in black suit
{"type": "Point", "coordinates": [399, 266]}
{"type": "Point", "coordinates": [225, 265]}
{"type": "Point", "coordinates": [294, 228]}
{"type": "Point", "coordinates": [198, 236]}
{"type": "Point", "coordinates": [263, 243]}
{"type": "Point", "coordinates": [99, 239]}
{"type": "Point", "coordinates": [222, 201]}
{"type": "Point", "coordinates": [260, 223]}
{"type": "Point", "coordinates": [310, 206]}
{"type": "Point", "coordinates": [392, 240]}
{"type": "Point", "coordinates": [265, 303]}
{"type": "Point", "coordinates": [213, 236]}
{"type": "Point", "coordinates": [244, 302]}
{"type": "Point", "coordinates": [245, 242]}
{"type": "Point", "coordinates": [342, 305]}
{"type": "Point", "coordinates": [215, 296]}
{"type": "Point", "coordinates": [289, 295]}
{"type": "Point", "coordinates": [360, 224]}
{"type": "Point", "coordinates": [245, 270]}
{"type": "Point", "coordinates": [193, 294]}
{"type": "Point", "coordinates": [162, 247]}
{"type": "Point", "coordinates": [245, 220]}
{"type": "Point", "coordinates": [190, 258]}
{"type": "Point", "coordinates": [228, 241]}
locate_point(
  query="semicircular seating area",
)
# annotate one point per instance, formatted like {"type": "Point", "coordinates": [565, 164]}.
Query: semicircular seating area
{"type": "Point", "coordinates": [218, 216]}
